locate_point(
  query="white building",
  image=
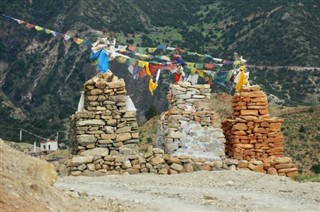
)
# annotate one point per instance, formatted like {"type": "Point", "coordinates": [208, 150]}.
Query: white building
{"type": "Point", "coordinates": [48, 145]}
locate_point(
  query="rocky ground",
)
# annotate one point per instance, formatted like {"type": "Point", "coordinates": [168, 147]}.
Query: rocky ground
{"type": "Point", "coordinates": [30, 184]}
{"type": "Point", "coordinates": [201, 191]}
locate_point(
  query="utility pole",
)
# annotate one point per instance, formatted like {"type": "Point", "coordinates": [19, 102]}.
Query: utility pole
{"type": "Point", "coordinates": [20, 134]}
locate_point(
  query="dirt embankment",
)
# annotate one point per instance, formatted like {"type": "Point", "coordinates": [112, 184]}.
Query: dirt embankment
{"type": "Point", "coordinates": [26, 184]}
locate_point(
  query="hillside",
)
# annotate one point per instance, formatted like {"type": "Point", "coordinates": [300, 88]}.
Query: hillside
{"type": "Point", "coordinates": [41, 75]}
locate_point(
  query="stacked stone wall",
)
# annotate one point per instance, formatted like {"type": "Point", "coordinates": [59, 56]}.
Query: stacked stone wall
{"type": "Point", "coordinates": [252, 135]}
{"type": "Point", "coordinates": [105, 122]}
{"type": "Point", "coordinates": [190, 126]}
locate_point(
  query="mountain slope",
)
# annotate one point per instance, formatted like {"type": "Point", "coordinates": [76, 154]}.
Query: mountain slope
{"type": "Point", "coordinates": [41, 76]}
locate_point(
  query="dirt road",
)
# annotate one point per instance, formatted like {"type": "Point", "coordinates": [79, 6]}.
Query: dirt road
{"type": "Point", "coordinates": [200, 191]}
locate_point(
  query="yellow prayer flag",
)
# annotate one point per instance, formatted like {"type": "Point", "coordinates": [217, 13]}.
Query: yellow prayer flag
{"type": "Point", "coordinates": [141, 64]}
{"type": "Point", "coordinates": [148, 72]}
{"type": "Point", "coordinates": [151, 50]}
{"type": "Point", "coordinates": [48, 31]}
{"type": "Point", "coordinates": [242, 79]}
{"type": "Point", "coordinates": [79, 41]}
{"type": "Point", "coordinates": [152, 86]}
{"type": "Point", "coordinates": [38, 28]}
{"type": "Point", "coordinates": [190, 64]}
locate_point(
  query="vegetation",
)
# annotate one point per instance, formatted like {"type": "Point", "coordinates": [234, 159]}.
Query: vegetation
{"type": "Point", "coordinates": [42, 75]}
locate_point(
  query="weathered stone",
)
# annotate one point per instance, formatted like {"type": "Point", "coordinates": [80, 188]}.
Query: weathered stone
{"type": "Point", "coordinates": [76, 173]}
{"type": "Point", "coordinates": [91, 167]}
{"type": "Point", "coordinates": [78, 160]}
{"type": "Point", "coordinates": [116, 84]}
{"type": "Point", "coordinates": [124, 129]}
{"type": "Point", "coordinates": [157, 151]}
{"type": "Point", "coordinates": [95, 92]}
{"type": "Point", "coordinates": [130, 114]}
{"type": "Point", "coordinates": [96, 151]}
{"type": "Point", "coordinates": [176, 167]}
{"type": "Point", "coordinates": [112, 122]}
{"type": "Point", "coordinates": [123, 137]}
{"type": "Point", "coordinates": [283, 160]}
{"type": "Point", "coordinates": [90, 122]}
{"type": "Point", "coordinates": [249, 112]}
{"type": "Point", "coordinates": [108, 136]}
{"type": "Point", "coordinates": [272, 171]}
{"type": "Point", "coordinates": [240, 126]}
{"type": "Point", "coordinates": [86, 139]}
{"type": "Point", "coordinates": [157, 160]}
{"type": "Point", "coordinates": [243, 164]}
{"type": "Point", "coordinates": [163, 171]}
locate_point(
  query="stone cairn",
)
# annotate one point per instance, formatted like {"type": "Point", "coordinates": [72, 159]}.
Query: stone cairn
{"type": "Point", "coordinates": [104, 138]}
{"type": "Point", "coordinates": [190, 127]}
{"type": "Point", "coordinates": [255, 138]}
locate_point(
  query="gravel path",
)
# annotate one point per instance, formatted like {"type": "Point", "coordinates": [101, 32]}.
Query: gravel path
{"type": "Point", "coordinates": [200, 191]}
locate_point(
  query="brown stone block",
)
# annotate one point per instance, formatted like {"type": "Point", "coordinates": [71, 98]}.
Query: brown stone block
{"type": "Point", "coordinates": [239, 132]}
{"type": "Point", "coordinates": [256, 107]}
{"type": "Point", "coordinates": [272, 171]}
{"type": "Point", "coordinates": [262, 104]}
{"type": "Point", "coordinates": [275, 126]}
{"type": "Point", "coordinates": [253, 141]}
{"type": "Point", "coordinates": [284, 166]}
{"type": "Point", "coordinates": [239, 126]}
{"type": "Point", "coordinates": [261, 130]}
{"type": "Point", "coordinates": [206, 167]}
{"type": "Point", "coordinates": [108, 136]}
{"type": "Point", "coordinates": [244, 146]}
{"type": "Point", "coordinates": [259, 99]}
{"type": "Point", "coordinates": [263, 111]}
{"type": "Point", "coordinates": [282, 160]}
{"type": "Point", "coordinates": [248, 152]}
{"type": "Point", "coordinates": [249, 112]}
{"type": "Point", "coordinates": [242, 137]}
{"type": "Point", "coordinates": [264, 124]}
{"type": "Point", "coordinates": [292, 174]}
{"type": "Point", "coordinates": [287, 170]}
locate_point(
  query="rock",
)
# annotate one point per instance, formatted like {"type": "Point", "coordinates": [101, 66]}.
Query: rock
{"type": "Point", "coordinates": [272, 171]}
{"type": "Point", "coordinates": [123, 137]}
{"type": "Point", "coordinates": [243, 164]}
{"type": "Point", "coordinates": [127, 164]}
{"type": "Point", "coordinates": [249, 112]}
{"type": "Point", "coordinates": [91, 167]}
{"type": "Point", "coordinates": [86, 139]}
{"type": "Point", "coordinates": [157, 160]}
{"type": "Point", "coordinates": [157, 151]}
{"type": "Point", "coordinates": [240, 126]}
{"type": "Point", "coordinates": [230, 161]}
{"type": "Point", "coordinates": [78, 160]}
{"type": "Point", "coordinates": [176, 167]}
{"type": "Point", "coordinates": [283, 160]}
{"type": "Point", "coordinates": [95, 92]}
{"type": "Point", "coordinates": [163, 171]}
{"type": "Point", "coordinates": [96, 151]}
{"type": "Point", "coordinates": [255, 88]}
{"type": "Point", "coordinates": [124, 129]}
{"type": "Point", "coordinates": [292, 174]}
{"type": "Point", "coordinates": [116, 84]}
{"type": "Point", "coordinates": [76, 173]}
{"type": "Point", "coordinates": [92, 122]}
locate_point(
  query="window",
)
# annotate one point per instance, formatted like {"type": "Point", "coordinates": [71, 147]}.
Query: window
{"type": "Point", "coordinates": [44, 146]}
{"type": "Point", "coordinates": [49, 147]}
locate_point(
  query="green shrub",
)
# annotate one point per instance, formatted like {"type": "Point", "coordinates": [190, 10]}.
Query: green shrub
{"type": "Point", "coordinates": [315, 168]}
